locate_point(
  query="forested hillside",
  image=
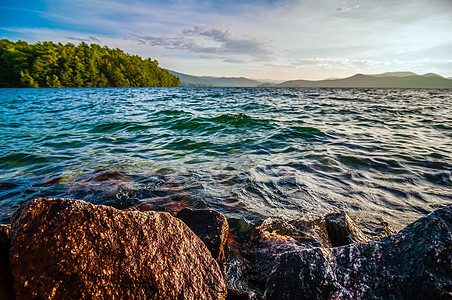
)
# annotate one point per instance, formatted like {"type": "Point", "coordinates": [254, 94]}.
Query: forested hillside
{"type": "Point", "coordinates": [48, 64]}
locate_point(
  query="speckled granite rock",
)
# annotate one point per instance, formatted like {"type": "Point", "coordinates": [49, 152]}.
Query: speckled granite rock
{"type": "Point", "coordinates": [211, 226]}
{"type": "Point", "coordinates": [416, 263]}
{"type": "Point", "coordinates": [71, 249]}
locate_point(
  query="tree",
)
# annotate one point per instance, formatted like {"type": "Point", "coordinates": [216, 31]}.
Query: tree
{"type": "Point", "coordinates": [48, 64]}
{"type": "Point", "coordinates": [53, 81]}
{"type": "Point", "coordinates": [26, 80]}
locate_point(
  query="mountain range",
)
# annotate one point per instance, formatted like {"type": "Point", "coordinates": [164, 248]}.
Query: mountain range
{"type": "Point", "coordinates": [206, 81]}
{"type": "Point", "coordinates": [384, 80]}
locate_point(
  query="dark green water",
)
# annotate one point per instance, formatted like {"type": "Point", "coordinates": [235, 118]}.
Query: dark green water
{"type": "Point", "coordinates": [379, 154]}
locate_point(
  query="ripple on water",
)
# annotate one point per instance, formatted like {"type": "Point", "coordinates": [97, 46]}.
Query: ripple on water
{"type": "Point", "coordinates": [251, 153]}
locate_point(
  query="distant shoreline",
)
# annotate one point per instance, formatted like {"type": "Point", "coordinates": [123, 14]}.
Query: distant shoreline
{"type": "Point", "coordinates": [386, 80]}
{"type": "Point", "coordinates": [238, 87]}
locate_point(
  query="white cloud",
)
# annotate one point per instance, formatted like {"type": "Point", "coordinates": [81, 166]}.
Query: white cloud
{"type": "Point", "coordinates": [90, 39]}
{"type": "Point", "coordinates": [347, 7]}
{"type": "Point", "coordinates": [274, 39]}
{"type": "Point", "coordinates": [337, 63]}
{"type": "Point", "coordinates": [212, 42]}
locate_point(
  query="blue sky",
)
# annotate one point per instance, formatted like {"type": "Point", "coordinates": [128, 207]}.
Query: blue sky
{"type": "Point", "coordinates": [288, 39]}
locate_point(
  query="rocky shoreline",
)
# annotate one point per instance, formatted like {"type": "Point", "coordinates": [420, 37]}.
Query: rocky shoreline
{"type": "Point", "coordinates": [72, 249]}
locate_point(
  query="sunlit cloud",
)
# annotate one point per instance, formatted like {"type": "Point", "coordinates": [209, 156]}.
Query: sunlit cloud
{"type": "Point", "coordinates": [281, 39]}
{"type": "Point", "coordinates": [338, 63]}
{"type": "Point", "coordinates": [211, 41]}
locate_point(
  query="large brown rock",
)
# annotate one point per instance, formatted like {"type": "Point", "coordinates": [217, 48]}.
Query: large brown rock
{"type": "Point", "coordinates": [71, 249]}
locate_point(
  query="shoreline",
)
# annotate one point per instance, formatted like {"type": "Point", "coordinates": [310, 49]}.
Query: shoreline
{"type": "Point", "coordinates": [251, 261]}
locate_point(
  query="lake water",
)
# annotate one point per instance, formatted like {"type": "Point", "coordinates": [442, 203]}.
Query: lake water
{"type": "Point", "coordinates": [251, 153]}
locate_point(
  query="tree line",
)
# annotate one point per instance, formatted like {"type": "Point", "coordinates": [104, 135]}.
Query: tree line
{"type": "Point", "coordinates": [48, 64]}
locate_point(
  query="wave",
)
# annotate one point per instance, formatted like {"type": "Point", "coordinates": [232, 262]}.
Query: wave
{"type": "Point", "coordinates": [295, 134]}
{"type": "Point", "coordinates": [186, 121]}
{"type": "Point", "coordinates": [241, 120]}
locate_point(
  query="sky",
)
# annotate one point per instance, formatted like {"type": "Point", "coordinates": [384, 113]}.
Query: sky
{"type": "Point", "coordinates": [267, 39]}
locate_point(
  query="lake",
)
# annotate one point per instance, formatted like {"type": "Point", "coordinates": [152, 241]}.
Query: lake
{"type": "Point", "coordinates": [251, 153]}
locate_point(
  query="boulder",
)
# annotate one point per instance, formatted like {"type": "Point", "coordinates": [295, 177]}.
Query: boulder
{"type": "Point", "coordinates": [416, 263]}
{"type": "Point", "coordinates": [276, 236]}
{"type": "Point", "coordinates": [315, 281]}
{"type": "Point", "coordinates": [71, 249]}
{"type": "Point", "coordinates": [211, 226]}
{"type": "Point", "coordinates": [343, 231]}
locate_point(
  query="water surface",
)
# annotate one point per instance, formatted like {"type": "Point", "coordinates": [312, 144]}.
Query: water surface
{"type": "Point", "coordinates": [378, 154]}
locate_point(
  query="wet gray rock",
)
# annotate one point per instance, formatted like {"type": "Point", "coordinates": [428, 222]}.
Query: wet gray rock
{"type": "Point", "coordinates": [276, 236]}
{"type": "Point", "coordinates": [236, 278]}
{"type": "Point", "coordinates": [308, 274]}
{"type": "Point", "coordinates": [343, 231]}
{"type": "Point", "coordinates": [235, 272]}
{"type": "Point", "coordinates": [236, 267]}
{"type": "Point", "coordinates": [71, 249]}
{"type": "Point", "coordinates": [416, 263]}
{"type": "Point", "coordinates": [209, 225]}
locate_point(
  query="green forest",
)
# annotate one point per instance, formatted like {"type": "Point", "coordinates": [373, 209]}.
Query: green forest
{"type": "Point", "coordinates": [48, 64]}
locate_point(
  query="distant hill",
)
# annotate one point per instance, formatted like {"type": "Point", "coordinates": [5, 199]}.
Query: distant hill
{"type": "Point", "coordinates": [432, 75]}
{"type": "Point", "coordinates": [190, 80]}
{"type": "Point", "coordinates": [395, 74]}
{"type": "Point", "coordinates": [205, 81]}
{"type": "Point", "coordinates": [234, 81]}
{"type": "Point", "coordinates": [386, 80]}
